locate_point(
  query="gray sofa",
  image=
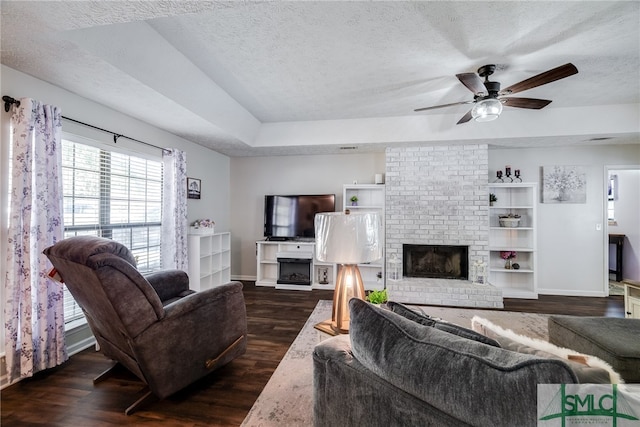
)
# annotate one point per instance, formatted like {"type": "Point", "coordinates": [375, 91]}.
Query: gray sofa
{"type": "Point", "coordinates": [392, 371]}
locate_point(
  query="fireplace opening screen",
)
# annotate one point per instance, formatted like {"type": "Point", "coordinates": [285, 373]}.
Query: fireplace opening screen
{"type": "Point", "coordinates": [436, 261]}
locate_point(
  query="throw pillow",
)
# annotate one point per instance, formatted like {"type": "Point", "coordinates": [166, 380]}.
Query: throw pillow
{"type": "Point", "coordinates": [588, 369]}
{"type": "Point", "coordinates": [451, 328]}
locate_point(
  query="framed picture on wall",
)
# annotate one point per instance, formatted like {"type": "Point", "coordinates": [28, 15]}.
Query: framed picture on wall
{"type": "Point", "coordinates": [564, 184]}
{"type": "Point", "coordinates": [194, 187]}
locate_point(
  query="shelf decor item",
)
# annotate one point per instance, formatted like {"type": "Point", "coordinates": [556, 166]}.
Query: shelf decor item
{"type": "Point", "coordinates": [492, 199]}
{"type": "Point", "coordinates": [202, 226]}
{"type": "Point", "coordinates": [348, 240]}
{"type": "Point", "coordinates": [511, 220]}
{"type": "Point", "coordinates": [354, 200]}
{"type": "Point", "coordinates": [507, 256]}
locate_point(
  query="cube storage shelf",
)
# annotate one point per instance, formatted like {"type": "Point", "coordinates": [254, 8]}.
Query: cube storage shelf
{"type": "Point", "coordinates": [517, 199]}
{"type": "Point", "coordinates": [209, 260]}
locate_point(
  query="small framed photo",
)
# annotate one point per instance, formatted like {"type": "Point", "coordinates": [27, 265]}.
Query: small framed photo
{"type": "Point", "coordinates": [194, 187]}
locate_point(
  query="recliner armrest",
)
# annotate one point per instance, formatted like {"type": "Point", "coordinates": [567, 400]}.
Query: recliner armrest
{"type": "Point", "coordinates": [198, 299]}
{"type": "Point", "coordinates": [168, 283]}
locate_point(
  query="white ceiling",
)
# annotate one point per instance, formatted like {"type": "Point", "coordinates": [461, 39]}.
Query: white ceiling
{"type": "Point", "coordinates": [256, 78]}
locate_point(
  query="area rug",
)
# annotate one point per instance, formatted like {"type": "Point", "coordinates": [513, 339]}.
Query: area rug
{"type": "Point", "coordinates": [287, 399]}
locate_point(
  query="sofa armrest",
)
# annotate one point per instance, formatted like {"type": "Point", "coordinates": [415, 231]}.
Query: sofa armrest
{"type": "Point", "coordinates": [168, 283]}
{"type": "Point", "coordinates": [346, 393]}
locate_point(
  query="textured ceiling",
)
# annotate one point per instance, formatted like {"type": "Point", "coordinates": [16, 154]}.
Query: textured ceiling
{"type": "Point", "coordinates": [256, 78]}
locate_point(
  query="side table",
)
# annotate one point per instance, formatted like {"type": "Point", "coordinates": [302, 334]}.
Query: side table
{"type": "Point", "coordinates": [631, 299]}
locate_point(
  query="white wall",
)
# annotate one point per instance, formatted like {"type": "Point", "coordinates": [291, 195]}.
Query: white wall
{"type": "Point", "coordinates": [627, 216]}
{"type": "Point", "coordinates": [211, 167]}
{"type": "Point", "coordinates": [254, 177]}
{"type": "Point", "coordinates": [571, 251]}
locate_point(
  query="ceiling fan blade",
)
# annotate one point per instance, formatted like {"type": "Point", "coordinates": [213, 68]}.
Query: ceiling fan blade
{"type": "Point", "coordinates": [531, 103]}
{"type": "Point", "coordinates": [465, 118]}
{"type": "Point", "coordinates": [473, 82]}
{"type": "Point", "coordinates": [557, 73]}
{"type": "Point", "coordinates": [444, 105]}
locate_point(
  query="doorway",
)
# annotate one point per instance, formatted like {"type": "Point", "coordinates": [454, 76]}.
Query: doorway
{"type": "Point", "coordinates": [622, 227]}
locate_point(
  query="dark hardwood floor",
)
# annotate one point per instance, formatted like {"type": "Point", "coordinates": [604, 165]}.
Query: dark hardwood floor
{"type": "Point", "coordinates": [66, 396]}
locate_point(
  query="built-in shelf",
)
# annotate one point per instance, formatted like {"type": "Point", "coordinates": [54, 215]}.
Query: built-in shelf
{"type": "Point", "coordinates": [371, 198]}
{"type": "Point", "coordinates": [520, 199]}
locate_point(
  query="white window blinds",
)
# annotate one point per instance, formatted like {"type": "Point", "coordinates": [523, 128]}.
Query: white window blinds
{"type": "Point", "coordinates": [113, 195]}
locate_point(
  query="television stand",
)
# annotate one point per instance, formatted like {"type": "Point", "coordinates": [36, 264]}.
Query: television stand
{"type": "Point", "coordinates": [321, 275]}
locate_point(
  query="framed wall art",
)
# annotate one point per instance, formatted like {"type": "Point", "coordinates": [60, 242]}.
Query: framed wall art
{"type": "Point", "coordinates": [194, 187]}
{"type": "Point", "coordinates": [564, 184]}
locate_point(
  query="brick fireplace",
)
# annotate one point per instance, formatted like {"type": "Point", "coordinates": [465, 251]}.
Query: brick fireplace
{"type": "Point", "coordinates": [437, 196]}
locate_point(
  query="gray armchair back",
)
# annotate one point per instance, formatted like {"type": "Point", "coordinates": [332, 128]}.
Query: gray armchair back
{"type": "Point", "coordinates": [164, 333]}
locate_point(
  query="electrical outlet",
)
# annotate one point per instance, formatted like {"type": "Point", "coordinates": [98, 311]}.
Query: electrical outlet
{"type": "Point", "coordinates": [598, 227]}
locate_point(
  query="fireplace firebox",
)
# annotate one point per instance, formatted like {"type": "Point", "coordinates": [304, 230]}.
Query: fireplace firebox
{"type": "Point", "coordinates": [294, 268]}
{"type": "Point", "coordinates": [435, 261]}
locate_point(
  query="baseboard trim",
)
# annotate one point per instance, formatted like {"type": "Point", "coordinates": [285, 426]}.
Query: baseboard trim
{"type": "Point", "coordinates": [571, 293]}
{"type": "Point", "coordinates": [243, 277]}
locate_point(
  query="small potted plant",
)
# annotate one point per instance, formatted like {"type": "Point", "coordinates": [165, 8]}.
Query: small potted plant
{"type": "Point", "coordinates": [492, 199]}
{"type": "Point", "coordinates": [354, 200]}
{"type": "Point", "coordinates": [378, 297]}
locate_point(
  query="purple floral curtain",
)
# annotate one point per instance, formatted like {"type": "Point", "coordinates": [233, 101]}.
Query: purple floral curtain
{"type": "Point", "coordinates": [174, 210]}
{"type": "Point", "coordinates": [34, 311]}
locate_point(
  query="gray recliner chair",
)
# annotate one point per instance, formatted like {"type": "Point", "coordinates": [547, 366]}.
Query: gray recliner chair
{"type": "Point", "coordinates": [164, 333]}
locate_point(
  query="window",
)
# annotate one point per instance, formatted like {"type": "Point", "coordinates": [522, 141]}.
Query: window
{"type": "Point", "coordinates": [113, 195]}
{"type": "Point", "coordinates": [612, 196]}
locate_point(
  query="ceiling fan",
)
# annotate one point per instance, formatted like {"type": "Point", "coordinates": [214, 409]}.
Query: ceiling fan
{"type": "Point", "coordinates": [489, 98]}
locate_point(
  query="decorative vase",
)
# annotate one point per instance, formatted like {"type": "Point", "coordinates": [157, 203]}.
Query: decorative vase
{"type": "Point", "coordinates": [354, 203]}
{"type": "Point", "coordinates": [507, 265]}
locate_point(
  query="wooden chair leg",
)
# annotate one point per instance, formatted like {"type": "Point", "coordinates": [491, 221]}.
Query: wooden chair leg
{"type": "Point", "coordinates": [147, 398]}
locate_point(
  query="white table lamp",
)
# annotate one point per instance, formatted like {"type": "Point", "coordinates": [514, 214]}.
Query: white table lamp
{"type": "Point", "coordinates": [347, 239]}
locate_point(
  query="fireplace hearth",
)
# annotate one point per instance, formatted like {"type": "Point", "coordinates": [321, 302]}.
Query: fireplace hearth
{"type": "Point", "coordinates": [435, 261]}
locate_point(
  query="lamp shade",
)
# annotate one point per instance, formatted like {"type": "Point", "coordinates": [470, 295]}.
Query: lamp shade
{"type": "Point", "coordinates": [348, 238]}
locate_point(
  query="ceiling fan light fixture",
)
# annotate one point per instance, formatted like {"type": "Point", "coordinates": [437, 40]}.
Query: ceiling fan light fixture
{"type": "Point", "coordinates": [487, 110]}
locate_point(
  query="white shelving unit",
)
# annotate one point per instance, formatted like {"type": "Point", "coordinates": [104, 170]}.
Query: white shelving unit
{"type": "Point", "coordinates": [520, 199]}
{"type": "Point", "coordinates": [209, 260]}
{"type": "Point", "coordinates": [267, 264]}
{"type": "Point", "coordinates": [371, 198]}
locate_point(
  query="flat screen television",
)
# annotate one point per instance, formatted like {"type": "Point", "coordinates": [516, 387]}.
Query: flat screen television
{"type": "Point", "coordinates": [291, 217]}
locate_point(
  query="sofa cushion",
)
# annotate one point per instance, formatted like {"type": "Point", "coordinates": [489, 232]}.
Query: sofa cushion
{"type": "Point", "coordinates": [427, 320]}
{"type": "Point", "coordinates": [614, 340]}
{"type": "Point", "coordinates": [468, 379]}
{"type": "Point", "coordinates": [588, 369]}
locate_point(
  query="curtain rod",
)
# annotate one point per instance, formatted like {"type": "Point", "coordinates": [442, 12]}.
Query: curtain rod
{"type": "Point", "coordinates": [9, 100]}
